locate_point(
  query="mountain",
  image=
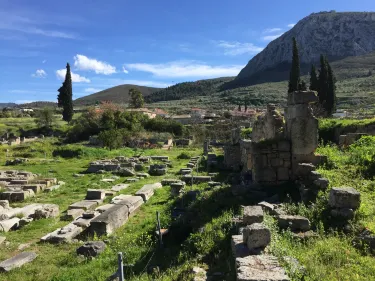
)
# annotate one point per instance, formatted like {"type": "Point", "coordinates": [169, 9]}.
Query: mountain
{"type": "Point", "coordinates": [336, 35]}
{"type": "Point", "coordinates": [188, 89]}
{"type": "Point", "coordinates": [117, 94]}
{"type": "Point", "coordinates": [7, 104]}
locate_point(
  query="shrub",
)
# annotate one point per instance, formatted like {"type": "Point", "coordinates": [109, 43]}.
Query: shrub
{"type": "Point", "coordinates": [112, 138]}
{"type": "Point", "coordinates": [184, 155]}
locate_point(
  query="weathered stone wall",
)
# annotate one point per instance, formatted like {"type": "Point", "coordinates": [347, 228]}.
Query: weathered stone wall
{"type": "Point", "coordinates": [245, 151]}
{"type": "Point", "coordinates": [271, 162]}
{"type": "Point", "coordinates": [269, 126]}
{"type": "Point", "coordinates": [232, 157]}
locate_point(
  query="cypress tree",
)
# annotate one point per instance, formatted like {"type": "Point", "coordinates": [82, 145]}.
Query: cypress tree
{"type": "Point", "coordinates": [65, 96]}
{"type": "Point", "coordinates": [314, 82]}
{"type": "Point", "coordinates": [323, 82]}
{"type": "Point", "coordinates": [331, 93]}
{"type": "Point", "coordinates": [295, 73]}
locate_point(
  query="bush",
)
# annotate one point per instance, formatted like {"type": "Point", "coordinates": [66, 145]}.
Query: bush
{"type": "Point", "coordinates": [184, 155]}
{"type": "Point", "coordinates": [159, 124]}
{"type": "Point", "coordinates": [111, 138]}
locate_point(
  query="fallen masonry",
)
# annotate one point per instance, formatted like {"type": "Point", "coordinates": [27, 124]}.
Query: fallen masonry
{"type": "Point", "coordinates": [148, 190]}
{"type": "Point", "coordinates": [17, 261]}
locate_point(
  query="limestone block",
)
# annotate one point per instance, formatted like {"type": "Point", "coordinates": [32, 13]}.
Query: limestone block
{"type": "Point", "coordinates": [256, 236]}
{"type": "Point", "coordinates": [314, 175]}
{"type": "Point", "coordinates": [344, 197]}
{"type": "Point", "coordinates": [46, 211]}
{"type": "Point", "coordinates": [119, 187]}
{"type": "Point", "coordinates": [169, 181]}
{"type": "Point", "coordinates": [73, 214]}
{"type": "Point", "coordinates": [282, 174]}
{"type": "Point", "coordinates": [91, 248]}
{"type": "Point", "coordinates": [103, 208]}
{"type": "Point", "coordinates": [304, 169]}
{"type": "Point", "coordinates": [17, 261]}
{"type": "Point", "coordinates": [343, 213]}
{"type": "Point", "coordinates": [239, 248]}
{"type": "Point", "coordinates": [133, 202]}
{"type": "Point", "coordinates": [304, 135]}
{"type": "Point", "coordinates": [84, 204]}
{"type": "Point", "coordinates": [9, 224]}
{"type": "Point", "coordinates": [302, 97]}
{"type": "Point", "coordinates": [295, 223]}
{"type": "Point", "coordinates": [145, 193]}
{"type": "Point", "coordinates": [34, 187]}
{"type": "Point", "coordinates": [252, 214]}
{"type": "Point", "coordinates": [4, 204]}
{"type": "Point", "coordinates": [17, 196]}
{"type": "Point", "coordinates": [126, 172]}
{"type": "Point", "coordinates": [52, 188]}
{"type": "Point", "coordinates": [85, 220]}
{"type": "Point", "coordinates": [186, 171]}
{"type": "Point", "coordinates": [63, 235]}
{"type": "Point", "coordinates": [321, 183]}
{"type": "Point", "coordinates": [94, 194]}
{"type": "Point", "coordinates": [107, 222]}
{"type": "Point", "coordinates": [195, 179]}
{"type": "Point", "coordinates": [283, 146]}
{"type": "Point", "coordinates": [260, 268]}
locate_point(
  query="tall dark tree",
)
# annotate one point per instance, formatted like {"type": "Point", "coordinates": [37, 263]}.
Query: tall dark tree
{"type": "Point", "coordinates": [323, 82]}
{"type": "Point", "coordinates": [331, 93]}
{"type": "Point", "coordinates": [65, 96]}
{"type": "Point", "coordinates": [136, 98]}
{"type": "Point", "coordinates": [314, 82]}
{"type": "Point", "coordinates": [295, 72]}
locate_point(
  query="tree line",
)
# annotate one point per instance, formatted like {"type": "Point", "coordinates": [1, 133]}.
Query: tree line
{"type": "Point", "coordinates": [323, 82]}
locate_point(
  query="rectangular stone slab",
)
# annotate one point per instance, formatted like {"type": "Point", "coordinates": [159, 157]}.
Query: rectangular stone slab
{"type": "Point", "coordinates": [73, 214]}
{"type": "Point", "coordinates": [239, 249]}
{"type": "Point", "coordinates": [17, 261]}
{"type": "Point", "coordinates": [107, 222]}
{"type": "Point", "coordinates": [119, 187]}
{"type": "Point", "coordinates": [9, 224]}
{"type": "Point", "coordinates": [133, 202]}
{"type": "Point", "coordinates": [252, 214]}
{"type": "Point", "coordinates": [84, 204]}
{"type": "Point", "coordinates": [63, 235]}
{"type": "Point", "coordinates": [34, 187]}
{"type": "Point", "coordinates": [103, 208]}
{"type": "Point", "coordinates": [145, 194]}
{"type": "Point", "coordinates": [260, 267]}
{"type": "Point", "coordinates": [94, 194]}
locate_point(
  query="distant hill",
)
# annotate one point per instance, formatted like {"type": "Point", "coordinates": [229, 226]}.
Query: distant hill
{"type": "Point", "coordinates": [117, 94]}
{"type": "Point", "coordinates": [7, 104]}
{"type": "Point", "coordinates": [38, 104]}
{"type": "Point", "coordinates": [336, 35]}
{"type": "Point", "coordinates": [188, 89]}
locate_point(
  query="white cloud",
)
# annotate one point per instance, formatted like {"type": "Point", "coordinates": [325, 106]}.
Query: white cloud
{"type": "Point", "coordinates": [124, 70]}
{"type": "Point", "coordinates": [92, 90]}
{"type": "Point", "coordinates": [237, 48]}
{"type": "Point", "coordinates": [291, 25]}
{"type": "Point", "coordinates": [181, 69]}
{"type": "Point", "coordinates": [82, 62]}
{"type": "Point", "coordinates": [272, 30]}
{"type": "Point", "coordinates": [40, 73]}
{"type": "Point", "coordinates": [76, 78]}
{"type": "Point", "coordinates": [271, 37]}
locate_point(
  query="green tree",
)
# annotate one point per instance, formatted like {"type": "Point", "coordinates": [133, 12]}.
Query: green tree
{"type": "Point", "coordinates": [44, 118]}
{"type": "Point", "coordinates": [331, 93]}
{"type": "Point", "coordinates": [295, 72]}
{"type": "Point", "coordinates": [111, 139]}
{"type": "Point", "coordinates": [323, 82]}
{"type": "Point", "coordinates": [136, 98]}
{"type": "Point", "coordinates": [314, 82]}
{"type": "Point", "coordinates": [65, 96]}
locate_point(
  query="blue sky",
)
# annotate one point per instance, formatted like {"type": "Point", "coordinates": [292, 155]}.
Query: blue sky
{"type": "Point", "coordinates": [151, 43]}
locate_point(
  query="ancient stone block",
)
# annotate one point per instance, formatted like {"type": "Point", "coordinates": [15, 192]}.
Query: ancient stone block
{"type": "Point", "coordinates": [302, 97]}
{"type": "Point", "coordinates": [91, 248]}
{"type": "Point", "coordinates": [344, 197]}
{"type": "Point", "coordinates": [283, 145]}
{"type": "Point", "coordinates": [239, 248]}
{"type": "Point", "coordinates": [94, 194]}
{"type": "Point", "coordinates": [282, 174]}
{"type": "Point", "coordinates": [107, 222]}
{"type": "Point", "coordinates": [84, 204]}
{"type": "Point", "coordinates": [304, 169]}
{"type": "Point", "coordinates": [256, 236]}
{"type": "Point", "coordinates": [321, 183]}
{"type": "Point", "coordinates": [63, 235]}
{"type": "Point", "coordinates": [133, 202]}
{"type": "Point", "coordinates": [34, 187]}
{"type": "Point", "coordinates": [186, 171]}
{"type": "Point", "coordinates": [260, 268]}
{"type": "Point", "coordinates": [145, 193]}
{"type": "Point", "coordinates": [46, 211]}
{"type": "Point", "coordinates": [295, 223]}
{"type": "Point", "coordinates": [126, 172]}
{"type": "Point", "coordinates": [9, 224]}
{"type": "Point", "coordinates": [119, 187]}
{"type": "Point", "coordinates": [4, 204]}
{"type": "Point", "coordinates": [343, 213]}
{"type": "Point", "coordinates": [303, 135]}
{"type": "Point", "coordinates": [73, 214]}
{"type": "Point", "coordinates": [103, 208]}
{"type": "Point", "coordinates": [169, 181]}
{"type": "Point", "coordinates": [252, 214]}
{"type": "Point", "coordinates": [17, 261]}
{"type": "Point", "coordinates": [189, 179]}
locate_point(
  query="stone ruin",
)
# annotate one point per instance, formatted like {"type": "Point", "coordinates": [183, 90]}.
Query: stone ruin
{"type": "Point", "coordinates": [19, 185]}
{"type": "Point", "coordinates": [279, 144]}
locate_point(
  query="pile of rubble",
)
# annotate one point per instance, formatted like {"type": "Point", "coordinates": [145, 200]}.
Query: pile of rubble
{"type": "Point", "coordinates": [90, 216]}
{"type": "Point", "coordinates": [20, 185]}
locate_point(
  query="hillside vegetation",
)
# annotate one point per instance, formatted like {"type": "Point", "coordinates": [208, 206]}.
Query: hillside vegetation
{"type": "Point", "coordinates": [117, 94]}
